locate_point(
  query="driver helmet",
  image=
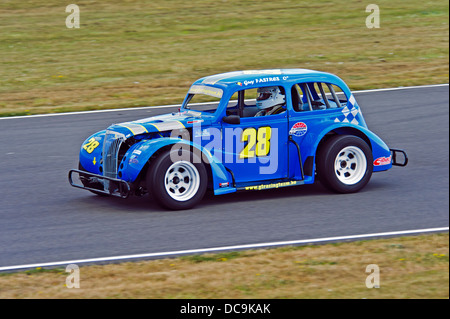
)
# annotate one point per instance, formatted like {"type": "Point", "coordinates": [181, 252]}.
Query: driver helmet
{"type": "Point", "coordinates": [269, 97]}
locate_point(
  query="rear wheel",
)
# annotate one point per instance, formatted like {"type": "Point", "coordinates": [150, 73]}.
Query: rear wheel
{"type": "Point", "coordinates": [177, 179]}
{"type": "Point", "coordinates": [345, 164]}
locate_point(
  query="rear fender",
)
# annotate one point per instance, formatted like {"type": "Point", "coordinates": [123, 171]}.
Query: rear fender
{"type": "Point", "coordinates": [379, 148]}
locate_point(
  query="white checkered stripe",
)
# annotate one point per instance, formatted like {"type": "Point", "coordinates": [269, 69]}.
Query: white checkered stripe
{"type": "Point", "coordinates": [349, 112]}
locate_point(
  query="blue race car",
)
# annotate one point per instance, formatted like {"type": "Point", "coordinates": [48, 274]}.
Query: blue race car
{"type": "Point", "coordinates": [239, 131]}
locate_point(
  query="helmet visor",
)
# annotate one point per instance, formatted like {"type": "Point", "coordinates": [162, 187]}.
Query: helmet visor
{"type": "Point", "coordinates": [263, 96]}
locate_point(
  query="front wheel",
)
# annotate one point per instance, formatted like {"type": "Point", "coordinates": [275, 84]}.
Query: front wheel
{"type": "Point", "coordinates": [177, 179]}
{"type": "Point", "coordinates": [345, 164]}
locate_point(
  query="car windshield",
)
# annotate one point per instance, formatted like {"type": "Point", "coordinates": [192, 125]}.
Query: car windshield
{"type": "Point", "coordinates": [203, 98]}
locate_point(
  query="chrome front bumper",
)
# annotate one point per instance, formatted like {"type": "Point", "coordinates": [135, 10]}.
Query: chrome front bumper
{"type": "Point", "coordinates": [112, 186]}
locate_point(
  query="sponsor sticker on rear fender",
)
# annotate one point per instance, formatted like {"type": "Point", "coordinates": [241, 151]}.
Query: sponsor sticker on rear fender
{"type": "Point", "coordinates": [382, 161]}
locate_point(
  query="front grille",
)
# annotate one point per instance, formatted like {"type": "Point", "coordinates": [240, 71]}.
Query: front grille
{"type": "Point", "coordinates": [111, 147]}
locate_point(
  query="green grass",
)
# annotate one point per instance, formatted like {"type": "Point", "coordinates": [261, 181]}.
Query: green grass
{"type": "Point", "coordinates": [215, 257]}
{"type": "Point", "coordinates": [415, 267]}
{"type": "Point", "coordinates": [139, 53]}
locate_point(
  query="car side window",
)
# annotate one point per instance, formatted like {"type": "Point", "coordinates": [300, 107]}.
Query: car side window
{"type": "Point", "coordinates": [249, 108]}
{"type": "Point", "coordinates": [314, 96]}
{"type": "Point", "coordinates": [335, 96]}
{"type": "Point", "coordinates": [233, 107]}
{"type": "Point", "coordinates": [243, 103]}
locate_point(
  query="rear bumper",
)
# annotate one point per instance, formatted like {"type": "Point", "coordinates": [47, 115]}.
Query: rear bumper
{"type": "Point", "coordinates": [111, 186]}
{"type": "Point", "coordinates": [395, 157]}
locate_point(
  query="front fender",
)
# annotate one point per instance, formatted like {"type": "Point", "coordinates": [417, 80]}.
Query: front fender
{"type": "Point", "coordinates": [91, 154]}
{"type": "Point", "coordinates": [140, 153]}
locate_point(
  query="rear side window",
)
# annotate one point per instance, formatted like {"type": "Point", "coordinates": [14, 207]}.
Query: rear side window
{"type": "Point", "coordinates": [314, 96]}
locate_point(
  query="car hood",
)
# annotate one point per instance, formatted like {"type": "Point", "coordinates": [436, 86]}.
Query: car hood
{"type": "Point", "coordinates": [162, 123]}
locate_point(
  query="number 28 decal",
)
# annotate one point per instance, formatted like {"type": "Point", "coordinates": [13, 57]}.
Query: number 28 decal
{"type": "Point", "coordinates": [258, 142]}
{"type": "Point", "coordinates": [91, 145]}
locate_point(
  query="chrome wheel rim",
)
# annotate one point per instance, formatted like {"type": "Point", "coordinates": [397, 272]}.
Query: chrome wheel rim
{"type": "Point", "coordinates": [350, 165]}
{"type": "Point", "coordinates": [182, 181]}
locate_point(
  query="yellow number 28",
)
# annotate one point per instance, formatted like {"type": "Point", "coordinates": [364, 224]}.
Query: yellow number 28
{"type": "Point", "coordinates": [91, 145]}
{"type": "Point", "coordinates": [260, 138]}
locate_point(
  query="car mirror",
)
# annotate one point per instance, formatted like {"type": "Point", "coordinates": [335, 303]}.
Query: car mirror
{"type": "Point", "coordinates": [232, 119]}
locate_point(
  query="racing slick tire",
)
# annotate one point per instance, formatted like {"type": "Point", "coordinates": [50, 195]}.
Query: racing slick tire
{"type": "Point", "coordinates": [345, 164]}
{"type": "Point", "coordinates": [177, 179]}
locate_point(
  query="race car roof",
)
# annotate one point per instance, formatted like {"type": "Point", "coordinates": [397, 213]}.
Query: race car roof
{"type": "Point", "coordinates": [251, 78]}
{"type": "Point", "coordinates": [236, 76]}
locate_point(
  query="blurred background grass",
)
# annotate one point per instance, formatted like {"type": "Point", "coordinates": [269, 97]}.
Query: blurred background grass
{"type": "Point", "coordinates": [139, 53]}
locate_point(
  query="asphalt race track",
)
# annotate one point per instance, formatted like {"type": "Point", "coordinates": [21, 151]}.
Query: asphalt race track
{"type": "Point", "coordinates": [44, 219]}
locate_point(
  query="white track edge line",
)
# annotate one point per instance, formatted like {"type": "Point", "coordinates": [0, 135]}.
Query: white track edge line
{"type": "Point", "coordinates": [177, 105]}
{"type": "Point", "coordinates": [216, 249]}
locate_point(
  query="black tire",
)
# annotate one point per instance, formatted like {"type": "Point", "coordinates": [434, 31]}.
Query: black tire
{"type": "Point", "coordinates": [345, 164]}
{"type": "Point", "coordinates": [92, 185]}
{"type": "Point", "coordinates": [177, 179]}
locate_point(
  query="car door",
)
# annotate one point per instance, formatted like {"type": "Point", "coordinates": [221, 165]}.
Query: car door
{"type": "Point", "coordinates": [256, 148]}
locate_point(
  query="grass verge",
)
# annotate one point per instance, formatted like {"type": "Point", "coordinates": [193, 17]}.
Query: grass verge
{"type": "Point", "coordinates": [139, 53]}
{"type": "Point", "coordinates": [410, 267]}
